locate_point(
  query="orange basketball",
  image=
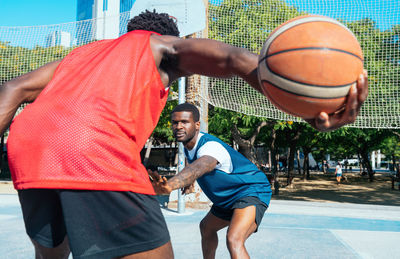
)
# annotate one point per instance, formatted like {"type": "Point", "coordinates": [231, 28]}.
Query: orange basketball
{"type": "Point", "coordinates": [308, 64]}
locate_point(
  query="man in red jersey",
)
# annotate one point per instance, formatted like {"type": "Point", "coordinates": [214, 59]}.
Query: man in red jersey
{"type": "Point", "coordinates": [74, 152]}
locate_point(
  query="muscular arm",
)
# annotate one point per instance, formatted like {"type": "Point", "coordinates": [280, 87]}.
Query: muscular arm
{"type": "Point", "coordinates": [23, 89]}
{"type": "Point", "coordinates": [187, 176]}
{"type": "Point", "coordinates": [217, 59]}
{"type": "Point", "coordinates": [185, 57]}
{"type": "Point", "coordinates": [191, 172]}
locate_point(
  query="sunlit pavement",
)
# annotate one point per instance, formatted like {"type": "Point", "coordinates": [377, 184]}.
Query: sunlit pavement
{"type": "Point", "coordinates": [290, 229]}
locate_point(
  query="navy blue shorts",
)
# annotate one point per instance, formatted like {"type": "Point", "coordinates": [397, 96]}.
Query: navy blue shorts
{"type": "Point", "coordinates": [99, 224]}
{"type": "Point", "coordinates": [226, 214]}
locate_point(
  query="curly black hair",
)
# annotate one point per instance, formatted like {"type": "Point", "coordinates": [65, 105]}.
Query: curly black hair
{"type": "Point", "coordinates": [188, 107]}
{"type": "Point", "coordinates": [161, 23]}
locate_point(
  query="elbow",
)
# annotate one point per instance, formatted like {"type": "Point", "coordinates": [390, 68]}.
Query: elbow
{"type": "Point", "coordinates": [242, 62]}
{"type": "Point", "coordinates": [13, 91]}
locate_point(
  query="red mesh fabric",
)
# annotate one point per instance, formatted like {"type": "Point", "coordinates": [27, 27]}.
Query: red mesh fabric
{"type": "Point", "coordinates": [87, 127]}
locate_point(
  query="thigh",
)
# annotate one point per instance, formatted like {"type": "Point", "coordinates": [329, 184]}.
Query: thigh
{"type": "Point", "coordinates": [214, 221]}
{"type": "Point", "coordinates": [43, 217]}
{"type": "Point", "coordinates": [243, 222]}
{"type": "Point", "coordinates": [105, 224]}
{"type": "Point", "coordinates": [247, 215]}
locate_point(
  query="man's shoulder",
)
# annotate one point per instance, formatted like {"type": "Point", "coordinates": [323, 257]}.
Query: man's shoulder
{"type": "Point", "coordinates": [209, 137]}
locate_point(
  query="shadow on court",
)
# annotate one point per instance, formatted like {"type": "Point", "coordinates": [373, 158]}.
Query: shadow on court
{"type": "Point", "coordinates": [290, 229]}
{"type": "Point", "coordinates": [355, 189]}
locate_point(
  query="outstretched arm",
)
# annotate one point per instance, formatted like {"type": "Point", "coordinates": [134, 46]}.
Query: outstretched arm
{"type": "Point", "coordinates": [217, 59]}
{"type": "Point", "coordinates": [187, 176]}
{"type": "Point", "coordinates": [184, 57]}
{"type": "Point", "coordinates": [222, 60]}
{"type": "Point", "coordinates": [23, 89]}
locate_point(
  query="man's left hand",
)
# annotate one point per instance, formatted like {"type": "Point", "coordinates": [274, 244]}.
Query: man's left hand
{"type": "Point", "coordinates": [357, 95]}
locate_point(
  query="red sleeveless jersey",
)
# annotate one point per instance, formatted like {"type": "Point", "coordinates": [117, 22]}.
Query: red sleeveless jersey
{"type": "Point", "coordinates": [87, 127]}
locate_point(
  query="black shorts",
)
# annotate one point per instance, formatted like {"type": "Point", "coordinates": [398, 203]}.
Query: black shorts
{"type": "Point", "coordinates": [99, 224]}
{"type": "Point", "coordinates": [226, 214]}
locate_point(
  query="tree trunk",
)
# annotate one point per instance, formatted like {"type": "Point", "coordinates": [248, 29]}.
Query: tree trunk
{"type": "Point", "coordinates": [367, 165]}
{"type": "Point", "coordinates": [246, 146]}
{"type": "Point", "coordinates": [274, 163]}
{"type": "Point", "coordinates": [148, 151]}
{"type": "Point", "coordinates": [298, 161]}
{"type": "Point", "coordinates": [360, 163]}
{"type": "Point", "coordinates": [290, 161]}
{"type": "Point", "coordinates": [307, 163]}
{"type": "Point", "coordinates": [292, 137]}
{"type": "Point", "coordinates": [394, 163]}
{"type": "Point", "coordinates": [172, 154]}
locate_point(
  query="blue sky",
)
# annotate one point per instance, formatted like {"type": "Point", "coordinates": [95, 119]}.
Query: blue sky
{"type": "Point", "coordinates": [41, 12]}
{"type": "Point", "coordinates": [36, 12]}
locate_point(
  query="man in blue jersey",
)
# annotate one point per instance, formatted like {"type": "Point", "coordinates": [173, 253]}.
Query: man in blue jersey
{"type": "Point", "coordinates": [240, 192]}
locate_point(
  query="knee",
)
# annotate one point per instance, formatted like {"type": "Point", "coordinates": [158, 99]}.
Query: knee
{"type": "Point", "coordinates": [207, 230]}
{"type": "Point", "coordinates": [234, 240]}
{"type": "Point", "coordinates": [203, 227]}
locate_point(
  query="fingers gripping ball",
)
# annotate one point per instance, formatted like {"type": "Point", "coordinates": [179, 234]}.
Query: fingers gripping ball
{"type": "Point", "coordinates": [308, 64]}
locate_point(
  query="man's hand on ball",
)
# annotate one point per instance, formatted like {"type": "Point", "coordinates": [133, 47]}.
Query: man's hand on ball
{"type": "Point", "coordinates": [357, 95]}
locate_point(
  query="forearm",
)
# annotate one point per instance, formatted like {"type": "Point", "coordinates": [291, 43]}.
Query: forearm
{"type": "Point", "coordinates": [184, 178]}
{"type": "Point", "coordinates": [24, 88]}
{"type": "Point", "coordinates": [31, 84]}
{"type": "Point", "coordinates": [10, 101]}
{"type": "Point", "coordinates": [245, 64]}
{"type": "Point", "coordinates": [216, 59]}
{"type": "Point", "coordinates": [192, 171]}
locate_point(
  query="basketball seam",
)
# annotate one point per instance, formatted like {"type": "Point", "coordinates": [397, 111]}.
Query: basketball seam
{"type": "Point", "coordinates": [299, 82]}
{"type": "Point", "coordinates": [314, 48]}
{"type": "Point", "coordinates": [301, 22]}
{"type": "Point", "coordinates": [311, 85]}
{"type": "Point", "coordinates": [303, 95]}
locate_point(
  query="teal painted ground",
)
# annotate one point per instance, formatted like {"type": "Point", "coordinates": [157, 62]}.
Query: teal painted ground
{"type": "Point", "coordinates": [290, 229]}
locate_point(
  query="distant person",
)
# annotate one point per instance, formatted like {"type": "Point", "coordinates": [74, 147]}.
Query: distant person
{"type": "Point", "coordinates": [338, 172]}
{"type": "Point", "coordinates": [325, 166]}
{"type": "Point", "coordinates": [240, 192]}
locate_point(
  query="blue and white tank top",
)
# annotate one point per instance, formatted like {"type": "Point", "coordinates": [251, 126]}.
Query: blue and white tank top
{"type": "Point", "coordinates": [233, 178]}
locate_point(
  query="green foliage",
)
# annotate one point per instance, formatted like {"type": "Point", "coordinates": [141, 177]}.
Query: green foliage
{"type": "Point", "coordinates": [15, 61]}
{"type": "Point", "coordinates": [248, 22]}
{"type": "Point", "coordinates": [381, 58]}
{"type": "Point", "coordinates": [390, 146]}
{"type": "Point", "coordinates": [162, 134]}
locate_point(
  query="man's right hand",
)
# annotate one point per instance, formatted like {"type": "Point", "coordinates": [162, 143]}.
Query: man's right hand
{"type": "Point", "coordinates": [160, 183]}
{"type": "Point", "coordinates": [188, 189]}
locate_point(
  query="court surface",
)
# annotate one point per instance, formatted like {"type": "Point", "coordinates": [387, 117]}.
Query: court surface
{"type": "Point", "coordinates": [290, 229]}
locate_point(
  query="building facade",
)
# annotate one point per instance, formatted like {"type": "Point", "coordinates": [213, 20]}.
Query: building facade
{"type": "Point", "coordinates": [58, 38]}
{"type": "Point", "coordinates": [101, 19]}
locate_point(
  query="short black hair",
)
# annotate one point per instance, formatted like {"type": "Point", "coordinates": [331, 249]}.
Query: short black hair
{"type": "Point", "coordinates": [161, 23]}
{"type": "Point", "coordinates": [188, 107]}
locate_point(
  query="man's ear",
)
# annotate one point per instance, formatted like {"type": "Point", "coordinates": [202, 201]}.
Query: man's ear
{"type": "Point", "coordinates": [197, 124]}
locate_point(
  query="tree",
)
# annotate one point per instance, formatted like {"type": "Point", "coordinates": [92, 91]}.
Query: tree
{"type": "Point", "coordinates": [359, 141]}
{"type": "Point", "coordinates": [162, 134]}
{"type": "Point", "coordinates": [15, 61]}
{"type": "Point", "coordinates": [390, 146]}
{"type": "Point", "coordinates": [289, 136]}
{"type": "Point", "coordinates": [238, 129]}
{"type": "Point", "coordinates": [310, 140]}
{"type": "Point", "coordinates": [243, 23]}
